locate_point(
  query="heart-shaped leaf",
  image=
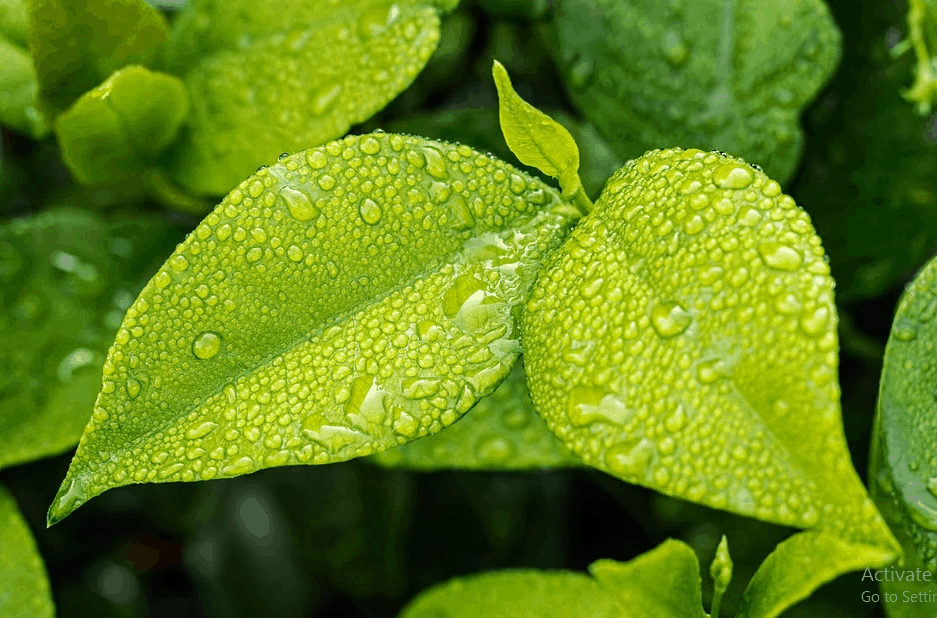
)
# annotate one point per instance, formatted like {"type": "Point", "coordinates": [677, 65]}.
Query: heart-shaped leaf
{"type": "Point", "coordinates": [267, 78]}
{"type": "Point", "coordinates": [698, 72]}
{"type": "Point", "coordinates": [348, 299]}
{"type": "Point", "coordinates": [67, 278]}
{"type": "Point", "coordinates": [502, 432]}
{"type": "Point", "coordinates": [24, 587]}
{"type": "Point", "coordinates": [684, 338]}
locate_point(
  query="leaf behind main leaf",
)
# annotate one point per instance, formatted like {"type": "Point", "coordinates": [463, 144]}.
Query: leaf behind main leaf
{"type": "Point", "coordinates": [24, 586]}
{"type": "Point", "coordinates": [348, 299]}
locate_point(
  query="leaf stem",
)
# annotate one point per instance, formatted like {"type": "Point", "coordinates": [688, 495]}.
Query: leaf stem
{"type": "Point", "coordinates": [582, 201]}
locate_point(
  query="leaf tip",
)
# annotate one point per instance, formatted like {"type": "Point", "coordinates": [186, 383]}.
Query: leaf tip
{"type": "Point", "coordinates": [69, 497]}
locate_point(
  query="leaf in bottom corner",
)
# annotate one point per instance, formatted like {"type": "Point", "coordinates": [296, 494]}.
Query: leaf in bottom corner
{"type": "Point", "coordinates": [24, 586]}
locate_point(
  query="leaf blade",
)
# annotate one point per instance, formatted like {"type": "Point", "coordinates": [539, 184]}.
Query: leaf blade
{"type": "Point", "coordinates": [24, 585]}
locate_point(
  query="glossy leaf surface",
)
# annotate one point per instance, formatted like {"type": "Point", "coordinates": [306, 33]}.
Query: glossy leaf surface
{"type": "Point", "coordinates": [662, 583]}
{"type": "Point", "coordinates": [24, 587]}
{"type": "Point", "coordinates": [502, 432]}
{"type": "Point", "coordinates": [122, 125]}
{"type": "Point", "coordinates": [76, 44]}
{"type": "Point", "coordinates": [19, 103]}
{"type": "Point", "coordinates": [348, 299]}
{"type": "Point", "coordinates": [684, 338]}
{"type": "Point", "coordinates": [698, 73]}
{"type": "Point", "coordinates": [67, 278]}
{"type": "Point", "coordinates": [281, 77]}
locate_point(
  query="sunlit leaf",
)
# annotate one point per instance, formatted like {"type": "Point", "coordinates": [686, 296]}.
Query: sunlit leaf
{"type": "Point", "coordinates": [19, 103]}
{"type": "Point", "coordinates": [349, 298]}
{"type": "Point", "coordinates": [121, 126]}
{"type": "Point", "coordinates": [267, 78]}
{"type": "Point", "coordinates": [14, 20]}
{"type": "Point", "coordinates": [703, 73]}
{"type": "Point", "coordinates": [502, 432]}
{"type": "Point", "coordinates": [24, 587]}
{"type": "Point", "coordinates": [76, 44]}
{"type": "Point", "coordinates": [67, 278]}
{"type": "Point", "coordinates": [684, 339]}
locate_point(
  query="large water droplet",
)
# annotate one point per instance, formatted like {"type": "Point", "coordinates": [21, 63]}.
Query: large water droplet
{"type": "Point", "coordinates": [670, 319]}
{"type": "Point", "coordinates": [587, 405]}
{"type": "Point", "coordinates": [629, 460]}
{"type": "Point", "coordinates": [675, 49]}
{"type": "Point", "coordinates": [206, 345]}
{"type": "Point", "coordinates": [133, 388]}
{"type": "Point", "coordinates": [435, 163]}
{"type": "Point", "coordinates": [780, 256]}
{"type": "Point", "coordinates": [370, 211]}
{"type": "Point", "coordinates": [298, 203]}
{"type": "Point", "coordinates": [201, 430]}
{"type": "Point", "coordinates": [732, 176]}
{"type": "Point", "coordinates": [462, 218]}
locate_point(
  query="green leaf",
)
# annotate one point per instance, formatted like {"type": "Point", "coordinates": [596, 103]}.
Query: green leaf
{"type": "Point", "coordinates": [922, 33]}
{"type": "Point", "coordinates": [14, 21]}
{"type": "Point", "coordinates": [120, 127]}
{"type": "Point", "coordinates": [67, 278]}
{"type": "Point", "coordinates": [662, 583]}
{"type": "Point", "coordinates": [24, 586]}
{"type": "Point", "coordinates": [525, 10]}
{"type": "Point", "coordinates": [19, 103]}
{"type": "Point", "coordinates": [502, 432]}
{"type": "Point", "coordinates": [684, 339]}
{"type": "Point", "coordinates": [349, 298]}
{"type": "Point", "coordinates": [280, 77]}
{"type": "Point", "coordinates": [721, 572]}
{"type": "Point", "coordinates": [76, 44]}
{"type": "Point", "coordinates": [536, 139]}
{"type": "Point", "coordinates": [800, 565]}
{"type": "Point", "coordinates": [698, 72]}
{"type": "Point", "coordinates": [902, 463]}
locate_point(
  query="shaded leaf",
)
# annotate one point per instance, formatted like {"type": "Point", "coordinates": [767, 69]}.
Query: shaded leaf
{"type": "Point", "coordinates": [120, 127]}
{"type": "Point", "coordinates": [76, 44]}
{"type": "Point", "coordinates": [922, 38]}
{"type": "Point", "coordinates": [502, 432]}
{"type": "Point", "coordinates": [67, 278]}
{"type": "Point", "coordinates": [684, 339]}
{"type": "Point", "coordinates": [19, 102]}
{"type": "Point", "coordinates": [698, 73]}
{"type": "Point", "coordinates": [800, 565]}
{"type": "Point", "coordinates": [14, 21]}
{"type": "Point", "coordinates": [271, 78]}
{"type": "Point", "coordinates": [24, 586]}
{"type": "Point", "coordinates": [348, 299]}
{"type": "Point", "coordinates": [526, 10]}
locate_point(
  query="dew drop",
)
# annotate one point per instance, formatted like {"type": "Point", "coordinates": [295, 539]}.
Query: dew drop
{"type": "Point", "coordinates": [435, 163]}
{"type": "Point", "coordinates": [494, 449]}
{"type": "Point", "coordinates": [206, 345]}
{"type": "Point", "coordinates": [814, 322]}
{"type": "Point", "coordinates": [201, 430]}
{"type": "Point", "coordinates": [675, 49]}
{"type": "Point", "coordinates": [904, 331]}
{"type": "Point", "coordinates": [581, 73]}
{"type": "Point", "coordinates": [709, 371]}
{"type": "Point", "coordinates": [462, 218]}
{"type": "Point", "coordinates": [780, 257]}
{"type": "Point", "coordinates": [179, 263]}
{"type": "Point", "coordinates": [370, 211]}
{"type": "Point", "coordinates": [162, 279]}
{"type": "Point", "coordinates": [294, 253]}
{"type": "Point", "coordinates": [241, 466]}
{"type": "Point", "coordinates": [316, 159]}
{"type": "Point", "coordinates": [298, 203]}
{"type": "Point", "coordinates": [133, 388]}
{"type": "Point", "coordinates": [324, 99]}
{"type": "Point", "coordinates": [670, 319]}
{"type": "Point", "coordinates": [732, 176]}
{"type": "Point", "coordinates": [326, 182]}
{"type": "Point", "coordinates": [78, 358]}
{"type": "Point", "coordinates": [629, 460]}
{"type": "Point", "coordinates": [370, 146]}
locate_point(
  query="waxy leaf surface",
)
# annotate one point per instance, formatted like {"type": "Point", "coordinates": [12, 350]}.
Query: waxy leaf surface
{"type": "Point", "coordinates": [698, 72]}
{"type": "Point", "coordinates": [24, 587]}
{"type": "Point", "coordinates": [903, 462]}
{"type": "Point", "coordinates": [67, 277]}
{"type": "Point", "coordinates": [684, 339]}
{"type": "Point", "coordinates": [121, 126]}
{"type": "Point", "coordinates": [19, 97]}
{"type": "Point", "coordinates": [76, 44]}
{"type": "Point", "coordinates": [267, 78]}
{"type": "Point", "coordinates": [502, 432]}
{"type": "Point", "coordinates": [348, 299]}
{"type": "Point", "coordinates": [662, 583]}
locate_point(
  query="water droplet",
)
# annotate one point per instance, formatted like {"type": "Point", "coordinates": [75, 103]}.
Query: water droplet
{"type": "Point", "coordinates": [780, 257]}
{"type": "Point", "coordinates": [316, 159]}
{"type": "Point", "coordinates": [904, 331]}
{"type": "Point", "coordinates": [694, 225]}
{"type": "Point", "coordinates": [732, 176]}
{"type": "Point", "coordinates": [581, 73]}
{"type": "Point", "coordinates": [283, 156]}
{"type": "Point", "coordinates": [133, 388]}
{"type": "Point", "coordinates": [370, 211]}
{"type": "Point", "coordinates": [629, 460]}
{"type": "Point", "coordinates": [675, 49]}
{"type": "Point", "coordinates": [670, 319]}
{"type": "Point", "coordinates": [326, 182]}
{"type": "Point", "coordinates": [201, 430]}
{"type": "Point", "coordinates": [324, 99]}
{"type": "Point", "coordinates": [241, 466]}
{"type": "Point", "coordinates": [294, 253]}
{"type": "Point", "coordinates": [255, 188]}
{"type": "Point", "coordinates": [179, 263]}
{"type": "Point", "coordinates": [370, 146]}
{"type": "Point", "coordinates": [206, 345]}
{"type": "Point", "coordinates": [462, 218]}
{"type": "Point", "coordinates": [78, 358]}
{"type": "Point", "coordinates": [587, 405]}
{"type": "Point", "coordinates": [435, 163]}
{"type": "Point", "coordinates": [494, 449]}
{"type": "Point", "coordinates": [709, 371]}
{"type": "Point", "coordinates": [676, 420]}
{"type": "Point", "coordinates": [814, 322]}
{"type": "Point", "coordinates": [298, 204]}
{"type": "Point", "coordinates": [254, 254]}
{"type": "Point", "coordinates": [589, 288]}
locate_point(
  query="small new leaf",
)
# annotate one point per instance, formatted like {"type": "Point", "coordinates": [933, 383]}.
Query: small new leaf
{"type": "Point", "coordinates": [536, 139]}
{"type": "Point", "coordinates": [721, 572]}
{"type": "Point", "coordinates": [24, 586]}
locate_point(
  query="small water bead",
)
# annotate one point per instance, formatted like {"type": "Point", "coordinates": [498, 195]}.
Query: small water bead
{"type": "Point", "coordinates": [326, 182]}
{"type": "Point", "coordinates": [316, 159]}
{"type": "Point", "coordinates": [206, 345]}
{"type": "Point", "coordinates": [370, 146]}
{"type": "Point", "coordinates": [254, 254]}
{"type": "Point", "coordinates": [162, 279]}
{"type": "Point", "coordinates": [179, 263]}
{"type": "Point", "coordinates": [370, 211]}
{"type": "Point", "coordinates": [670, 319]}
{"type": "Point", "coordinates": [779, 256]}
{"type": "Point", "coordinates": [294, 253]}
{"type": "Point", "coordinates": [732, 176]}
{"type": "Point", "coordinates": [904, 331]}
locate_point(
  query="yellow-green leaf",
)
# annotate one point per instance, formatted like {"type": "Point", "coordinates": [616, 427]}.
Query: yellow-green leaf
{"type": "Point", "coordinates": [122, 126]}
{"type": "Point", "coordinates": [267, 78]}
{"type": "Point", "coordinates": [684, 339]}
{"type": "Point", "coordinates": [349, 298]}
{"type": "Point", "coordinates": [502, 432]}
{"type": "Point", "coordinates": [536, 139]}
{"type": "Point", "coordinates": [14, 20]}
{"type": "Point", "coordinates": [24, 587]}
{"type": "Point", "coordinates": [19, 97]}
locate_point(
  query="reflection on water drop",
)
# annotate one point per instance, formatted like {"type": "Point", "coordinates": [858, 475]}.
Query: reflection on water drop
{"type": "Point", "coordinates": [206, 345]}
{"type": "Point", "coordinates": [670, 319]}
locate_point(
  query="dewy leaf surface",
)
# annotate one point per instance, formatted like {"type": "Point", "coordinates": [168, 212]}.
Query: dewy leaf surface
{"type": "Point", "coordinates": [76, 44]}
{"type": "Point", "coordinates": [121, 126]}
{"type": "Point", "coordinates": [349, 298]}
{"type": "Point", "coordinates": [19, 97]}
{"type": "Point", "coordinates": [24, 586]}
{"type": "Point", "coordinates": [67, 279]}
{"type": "Point", "coordinates": [502, 432]}
{"type": "Point", "coordinates": [267, 78]}
{"type": "Point", "coordinates": [684, 339]}
{"type": "Point", "coordinates": [698, 72]}
{"type": "Point", "coordinates": [903, 462]}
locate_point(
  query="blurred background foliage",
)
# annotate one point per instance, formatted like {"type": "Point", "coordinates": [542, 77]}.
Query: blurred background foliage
{"type": "Point", "coordinates": [352, 539]}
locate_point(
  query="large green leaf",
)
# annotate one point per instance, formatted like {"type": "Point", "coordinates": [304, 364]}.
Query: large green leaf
{"type": "Point", "coordinates": [698, 72]}
{"type": "Point", "coordinates": [279, 77]}
{"type": "Point", "coordinates": [24, 587]}
{"type": "Point", "coordinates": [684, 338]}
{"type": "Point", "coordinates": [76, 44]}
{"type": "Point", "coordinates": [14, 20]}
{"type": "Point", "coordinates": [662, 583]}
{"type": "Point", "coordinates": [67, 278]}
{"type": "Point", "coordinates": [502, 432]}
{"type": "Point", "coordinates": [349, 298]}
{"type": "Point", "coordinates": [121, 126]}
{"type": "Point", "coordinates": [903, 463]}
{"type": "Point", "coordinates": [19, 97]}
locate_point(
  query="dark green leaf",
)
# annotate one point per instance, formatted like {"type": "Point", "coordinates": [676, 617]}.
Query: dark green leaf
{"type": "Point", "coordinates": [19, 97]}
{"type": "Point", "coordinates": [24, 587]}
